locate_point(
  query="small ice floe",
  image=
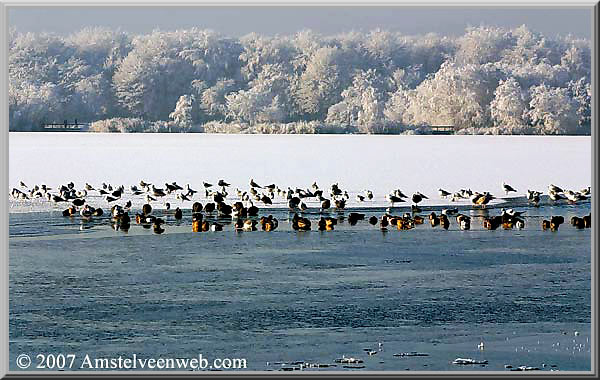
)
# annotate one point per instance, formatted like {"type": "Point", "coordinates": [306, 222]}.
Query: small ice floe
{"type": "Point", "coordinates": [346, 360]}
{"type": "Point", "coordinates": [414, 353]}
{"type": "Point", "coordinates": [525, 368]}
{"type": "Point", "coordinates": [463, 361]}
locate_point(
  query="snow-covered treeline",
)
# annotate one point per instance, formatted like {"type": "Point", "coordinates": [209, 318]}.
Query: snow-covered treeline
{"type": "Point", "coordinates": [489, 80]}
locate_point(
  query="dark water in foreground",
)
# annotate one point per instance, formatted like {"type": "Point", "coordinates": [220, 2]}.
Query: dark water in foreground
{"type": "Point", "coordinates": [304, 296]}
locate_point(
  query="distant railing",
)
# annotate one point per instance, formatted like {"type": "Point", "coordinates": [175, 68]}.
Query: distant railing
{"type": "Point", "coordinates": [66, 126]}
{"type": "Point", "coordinates": [442, 130]}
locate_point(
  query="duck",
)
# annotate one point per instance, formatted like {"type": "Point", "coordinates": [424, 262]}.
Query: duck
{"type": "Point", "coordinates": [464, 222]}
{"type": "Point", "coordinates": [86, 212]}
{"type": "Point", "coordinates": [556, 221]}
{"type": "Point", "coordinates": [294, 202]}
{"type": "Point", "coordinates": [215, 227]}
{"type": "Point", "coordinates": [545, 224]}
{"type": "Point", "coordinates": [577, 222]}
{"type": "Point", "coordinates": [268, 223]}
{"type": "Point", "coordinates": [300, 223]}
{"type": "Point", "coordinates": [209, 208]}
{"type": "Point", "coordinates": [373, 220]}
{"type": "Point", "coordinates": [354, 217]}
{"type": "Point", "coordinates": [326, 224]}
{"type": "Point", "coordinates": [492, 223]}
{"type": "Point", "coordinates": [266, 200]}
{"type": "Point", "coordinates": [222, 183]}
{"type": "Point", "coordinates": [252, 210]}
{"type": "Point", "coordinates": [249, 225]}
{"type": "Point", "coordinates": [326, 204]}
{"type": "Point", "coordinates": [146, 209]}
{"type": "Point", "coordinates": [360, 198]}
{"type": "Point", "coordinates": [124, 222]}
{"type": "Point", "coordinates": [197, 207]}
{"type": "Point", "coordinates": [444, 221]}
{"type": "Point", "coordinates": [519, 223]}
{"type": "Point", "coordinates": [205, 227]}
{"type": "Point", "coordinates": [369, 194]}
{"type": "Point", "coordinates": [71, 211]}
{"type": "Point", "coordinates": [340, 204]}
{"type": "Point", "coordinates": [224, 208]}
{"type": "Point", "coordinates": [197, 222]}
{"type": "Point", "coordinates": [178, 213]}
{"type": "Point", "coordinates": [587, 220]}
{"type": "Point", "coordinates": [156, 226]}
{"type": "Point", "coordinates": [433, 219]}
{"type": "Point", "coordinates": [78, 202]}
{"type": "Point", "coordinates": [384, 222]}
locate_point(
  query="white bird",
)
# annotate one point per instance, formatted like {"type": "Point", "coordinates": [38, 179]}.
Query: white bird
{"type": "Point", "coordinates": [481, 346]}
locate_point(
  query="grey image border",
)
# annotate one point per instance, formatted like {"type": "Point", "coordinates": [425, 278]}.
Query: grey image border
{"type": "Point", "coordinates": [593, 6]}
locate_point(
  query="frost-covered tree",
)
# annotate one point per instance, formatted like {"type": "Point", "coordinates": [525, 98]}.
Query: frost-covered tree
{"type": "Point", "coordinates": [552, 110]}
{"type": "Point", "coordinates": [509, 107]}
{"type": "Point", "coordinates": [182, 115]}
{"type": "Point", "coordinates": [361, 105]}
{"type": "Point", "coordinates": [98, 73]}
{"type": "Point", "coordinates": [455, 95]}
{"type": "Point", "coordinates": [320, 84]}
{"type": "Point", "coordinates": [483, 45]}
{"type": "Point", "coordinates": [581, 92]}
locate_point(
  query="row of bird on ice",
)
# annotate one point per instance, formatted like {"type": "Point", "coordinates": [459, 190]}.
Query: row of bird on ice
{"type": "Point", "coordinates": [245, 212]}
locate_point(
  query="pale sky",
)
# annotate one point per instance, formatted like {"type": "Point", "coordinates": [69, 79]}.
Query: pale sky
{"type": "Point", "coordinates": [270, 20]}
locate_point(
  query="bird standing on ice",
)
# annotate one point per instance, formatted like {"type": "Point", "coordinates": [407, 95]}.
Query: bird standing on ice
{"type": "Point", "coordinates": [444, 193]}
{"type": "Point", "coordinates": [508, 188]}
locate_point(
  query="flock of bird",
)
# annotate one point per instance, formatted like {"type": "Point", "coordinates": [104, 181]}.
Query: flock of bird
{"type": "Point", "coordinates": [246, 214]}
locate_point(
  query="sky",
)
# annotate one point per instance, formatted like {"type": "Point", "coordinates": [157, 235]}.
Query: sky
{"type": "Point", "coordinates": [235, 21]}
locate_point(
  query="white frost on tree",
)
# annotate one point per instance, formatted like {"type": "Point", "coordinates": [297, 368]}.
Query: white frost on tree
{"type": "Point", "coordinates": [552, 110]}
{"type": "Point", "coordinates": [509, 108]}
{"type": "Point", "coordinates": [182, 115]}
{"type": "Point", "coordinates": [361, 105]}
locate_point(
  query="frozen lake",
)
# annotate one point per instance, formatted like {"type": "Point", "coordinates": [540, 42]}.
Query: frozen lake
{"type": "Point", "coordinates": [379, 163]}
{"type": "Point", "coordinates": [286, 296]}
